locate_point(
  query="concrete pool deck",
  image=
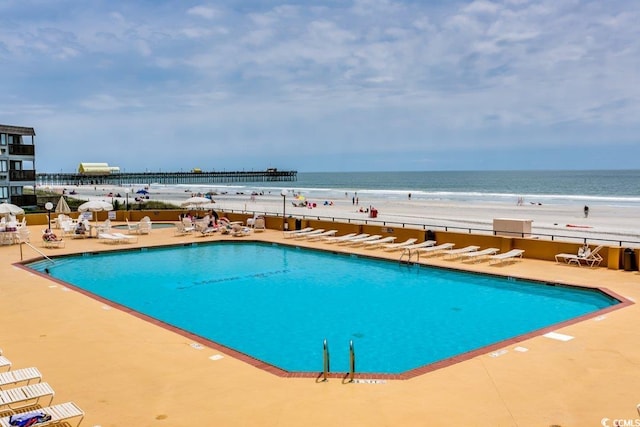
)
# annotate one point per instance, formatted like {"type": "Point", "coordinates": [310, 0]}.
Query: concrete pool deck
{"type": "Point", "coordinates": [123, 370]}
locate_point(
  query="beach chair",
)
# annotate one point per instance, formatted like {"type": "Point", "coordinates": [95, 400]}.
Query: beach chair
{"type": "Point", "coordinates": [512, 255]}
{"type": "Point", "coordinates": [591, 258]}
{"type": "Point", "coordinates": [24, 375]}
{"type": "Point", "coordinates": [425, 244]}
{"type": "Point", "coordinates": [477, 256]}
{"type": "Point", "coordinates": [376, 243]}
{"type": "Point", "coordinates": [237, 230]}
{"type": "Point", "coordinates": [28, 395]}
{"type": "Point", "coordinates": [56, 414]}
{"type": "Point", "coordinates": [390, 247]}
{"type": "Point", "coordinates": [457, 253]}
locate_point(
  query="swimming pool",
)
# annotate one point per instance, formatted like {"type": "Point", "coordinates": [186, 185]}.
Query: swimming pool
{"type": "Point", "coordinates": [278, 303]}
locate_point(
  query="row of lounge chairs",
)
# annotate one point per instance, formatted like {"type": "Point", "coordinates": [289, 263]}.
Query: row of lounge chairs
{"type": "Point", "coordinates": [21, 390]}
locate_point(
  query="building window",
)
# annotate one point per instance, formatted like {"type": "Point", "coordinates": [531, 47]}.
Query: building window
{"type": "Point", "coordinates": [16, 191]}
{"type": "Point", "coordinates": [4, 193]}
{"type": "Point", "coordinates": [3, 165]}
{"type": "Point", "coordinates": [3, 139]}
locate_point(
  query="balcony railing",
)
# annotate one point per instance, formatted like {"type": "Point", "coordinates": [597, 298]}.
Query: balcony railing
{"type": "Point", "coordinates": [22, 175]}
{"type": "Point", "coordinates": [22, 150]}
{"type": "Point", "coordinates": [25, 200]}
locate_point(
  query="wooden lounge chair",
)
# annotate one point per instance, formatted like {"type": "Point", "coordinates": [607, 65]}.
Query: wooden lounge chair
{"type": "Point", "coordinates": [16, 376]}
{"type": "Point", "coordinates": [28, 395]}
{"type": "Point", "coordinates": [58, 413]}
{"type": "Point", "coordinates": [511, 255]}
{"type": "Point", "coordinates": [477, 256]}
{"type": "Point", "coordinates": [592, 258]}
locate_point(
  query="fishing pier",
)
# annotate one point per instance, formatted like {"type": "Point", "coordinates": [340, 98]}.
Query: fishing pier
{"type": "Point", "coordinates": [192, 177]}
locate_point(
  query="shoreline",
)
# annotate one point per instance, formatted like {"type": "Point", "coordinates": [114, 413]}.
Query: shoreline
{"type": "Point", "coordinates": [604, 222]}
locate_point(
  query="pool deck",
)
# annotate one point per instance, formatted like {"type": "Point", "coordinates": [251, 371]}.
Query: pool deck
{"type": "Point", "coordinates": [123, 370]}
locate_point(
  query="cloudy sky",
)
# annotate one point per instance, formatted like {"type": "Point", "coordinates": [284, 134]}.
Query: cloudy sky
{"type": "Point", "coordinates": [339, 85]}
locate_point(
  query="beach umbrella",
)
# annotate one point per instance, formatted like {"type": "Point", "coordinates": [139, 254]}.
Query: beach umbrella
{"type": "Point", "coordinates": [8, 208]}
{"type": "Point", "coordinates": [62, 206]}
{"type": "Point", "coordinates": [142, 191]}
{"type": "Point", "coordinates": [196, 202]}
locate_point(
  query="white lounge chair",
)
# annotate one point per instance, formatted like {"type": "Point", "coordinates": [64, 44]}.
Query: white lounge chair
{"type": "Point", "coordinates": [425, 244]}
{"type": "Point", "coordinates": [477, 256]}
{"type": "Point", "coordinates": [457, 253]}
{"type": "Point", "coordinates": [28, 395]}
{"type": "Point", "coordinates": [328, 233]}
{"type": "Point", "coordinates": [511, 255]}
{"type": "Point", "coordinates": [431, 250]}
{"type": "Point", "coordinates": [124, 238]}
{"type": "Point", "coordinates": [5, 363]}
{"type": "Point", "coordinates": [308, 233]}
{"type": "Point", "coordinates": [359, 241]}
{"type": "Point", "coordinates": [108, 238]}
{"type": "Point", "coordinates": [348, 237]}
{"type": "Point", "coordinates": [376, 243]}
{"type": "Point", "coordinates": [259, 224]}
{"type": "Point", "coordinates": [592, 258]}
{"type": "Point", "coordinates": [61, 412]}
{"type": "Point", "coordinates": [16, 376]}
{"type": "Point", "coordinates": [292, 233]}
{"type": "Point", "coordinates": [238, 230]}
{"type": "Point", "coordinates": [182, 229]}
{"type": "Point", "coordinates": [390, 247]}
{"type": "Point", "coordinates": [333, 239]}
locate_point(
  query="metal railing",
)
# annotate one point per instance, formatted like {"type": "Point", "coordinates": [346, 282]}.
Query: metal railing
{"type": "Point", "coordinates": [577, 237]}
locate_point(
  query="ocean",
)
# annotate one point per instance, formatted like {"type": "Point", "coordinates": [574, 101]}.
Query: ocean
{"type": "Point", "coordinates": [589, 187]}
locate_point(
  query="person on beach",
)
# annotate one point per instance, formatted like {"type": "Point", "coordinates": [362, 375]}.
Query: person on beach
{"type": "Point", "coordinates": [409, 196]}
{"type": "Point", "coordinates": [586, 211]}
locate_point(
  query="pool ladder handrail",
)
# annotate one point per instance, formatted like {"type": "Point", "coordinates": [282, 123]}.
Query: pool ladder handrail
{"type": "Point", "coordinates": [325, 361]}
{"type": "Point", "coordinates": [409, 252]}
{"type": "Point", "coordinates": [352, 361]}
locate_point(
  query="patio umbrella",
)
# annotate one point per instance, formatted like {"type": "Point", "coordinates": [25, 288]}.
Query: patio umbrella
{"type": "Point", "coordinates": [196, 202]}
{"type": "Point", "coordinates": [62, 206]}
{"type": "Point", "coordinates": [95, 206]}
{"type": "Point", "coordinates": [8, 208]}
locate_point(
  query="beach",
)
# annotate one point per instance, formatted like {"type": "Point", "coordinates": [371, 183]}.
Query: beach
{"type": "Point", "coordinates": [604, 222]}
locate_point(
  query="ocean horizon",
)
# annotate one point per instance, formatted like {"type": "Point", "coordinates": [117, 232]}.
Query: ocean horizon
{"type": "Point", "coordinates": [597, 187]}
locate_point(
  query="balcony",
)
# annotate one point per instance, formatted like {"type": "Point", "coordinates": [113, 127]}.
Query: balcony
{"type": "Point", "coordinates": [22, 150]}
{"type": "Point", "coordinates": [25, 200]}
{"type": "Point", "coordinates": [20, 175]}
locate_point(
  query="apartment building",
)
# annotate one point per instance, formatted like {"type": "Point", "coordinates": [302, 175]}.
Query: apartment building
{"type": "Point", "coordinates": [17, 165]}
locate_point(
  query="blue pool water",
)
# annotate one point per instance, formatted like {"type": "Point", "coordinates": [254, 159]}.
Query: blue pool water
{"type": "Point", "coordinates": [279, 303]}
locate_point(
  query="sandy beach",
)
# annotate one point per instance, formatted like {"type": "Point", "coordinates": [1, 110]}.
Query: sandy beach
{"type": "Point", "coordinates": [614, 223]}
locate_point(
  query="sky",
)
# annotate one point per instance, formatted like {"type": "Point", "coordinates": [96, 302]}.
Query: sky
{"type": "Point", "coordinates": [339, 85]}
